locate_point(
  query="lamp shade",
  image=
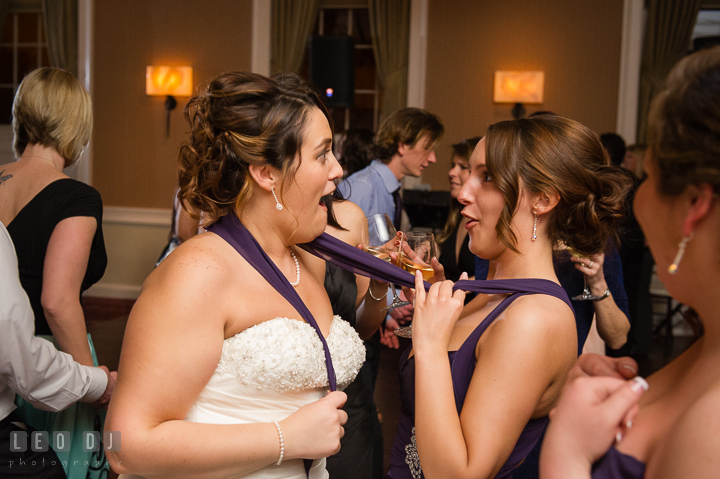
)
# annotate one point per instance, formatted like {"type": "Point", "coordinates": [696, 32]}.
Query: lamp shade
{"type": "Point", "coordinates": [168, 81]}
{"type": "Point", "coordinates": [519, 87]}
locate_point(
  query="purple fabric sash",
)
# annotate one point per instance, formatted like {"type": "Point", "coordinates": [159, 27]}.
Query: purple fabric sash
{"type": "Point", "coordinates": [234, 232]}
{"type": "Point", "coordinates": [353, 259]}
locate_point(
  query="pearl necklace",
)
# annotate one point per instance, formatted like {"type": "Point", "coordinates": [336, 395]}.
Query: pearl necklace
{"type": "Point", "coordinates": [297, 270]}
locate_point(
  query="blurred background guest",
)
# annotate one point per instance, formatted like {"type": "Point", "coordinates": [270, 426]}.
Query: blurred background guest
{"type": "Point", "coordinates": [356, 150]}
{"type": "Point", "coordinates": [32, 368]}
{"type": "Point", "coordinates": [455, 255]}
{"type": "Point", "coordinates": [55, 223]}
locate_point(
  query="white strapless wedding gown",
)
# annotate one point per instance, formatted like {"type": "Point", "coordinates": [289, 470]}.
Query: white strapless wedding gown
{"type": "Point", "coordinates": [268, 372]}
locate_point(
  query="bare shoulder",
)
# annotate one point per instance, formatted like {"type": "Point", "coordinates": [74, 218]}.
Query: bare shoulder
{"type": "Point", "coordinates": [200, 260]}
{"type": "Point", "coordinates": [691, 448]}
{"type": "Point", "coordinates": [350, 216]}
{"type": "Point", "coordinates": [539, 313]}
{"type": "Point", "coordinates": [199, 272]}
{"type": "Point", "coordinates": [539, 327]}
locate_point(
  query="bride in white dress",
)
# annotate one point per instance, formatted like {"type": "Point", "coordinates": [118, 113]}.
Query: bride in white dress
{"type": "Point", "coordinates": [219, 375]}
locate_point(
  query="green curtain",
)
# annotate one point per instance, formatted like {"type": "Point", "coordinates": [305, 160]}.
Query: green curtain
{"type": "Point", "coordinates": [292, 22]}
{"type": "Point", "coordinates": [390, 30]}
{"type": "Point", "coordinates": [669, 27]}
{"type": "Point", "coordinates": [61, 26]}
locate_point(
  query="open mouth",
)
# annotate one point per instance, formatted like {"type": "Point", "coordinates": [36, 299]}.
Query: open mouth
{"type": "Point", "coordinates": [326, 201]}
{"type": "Point", "coordinates": [470, 221]}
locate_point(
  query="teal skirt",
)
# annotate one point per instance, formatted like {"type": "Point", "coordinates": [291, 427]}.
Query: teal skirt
{"type": "Point", "coordinates": [78, 418]}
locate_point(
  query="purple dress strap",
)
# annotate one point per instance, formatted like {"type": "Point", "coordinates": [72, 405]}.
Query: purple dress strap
{"type": "Point", "coordinates": [353, 259]}
{"type": "Point", "coordinates": [234, 232]}
{"type": "Point", "coordinates": [616, 465]}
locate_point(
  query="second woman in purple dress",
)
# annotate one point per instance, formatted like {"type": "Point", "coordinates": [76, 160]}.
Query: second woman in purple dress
{"type": "Point", "coordinates": [481, 380]}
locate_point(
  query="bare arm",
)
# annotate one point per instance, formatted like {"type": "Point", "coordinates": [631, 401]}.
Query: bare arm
{"type": "Point", "coordinates": [66, 261]}
{"type": "Point", "coordinates": [612, 324]}
{"type": "Point", "coordinates": [172, 345]}
{"type": "Point", "coordinates": [522, 361]}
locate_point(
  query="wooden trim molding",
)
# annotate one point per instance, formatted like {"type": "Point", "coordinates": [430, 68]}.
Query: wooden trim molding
{"type": "Point", "coordinates": [122, 215]}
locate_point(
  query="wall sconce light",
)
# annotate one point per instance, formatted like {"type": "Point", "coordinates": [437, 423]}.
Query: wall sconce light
{"type": "Point", "coordinates": [168, 81]}
{"type": "Point", "coordinates": [519, 87]}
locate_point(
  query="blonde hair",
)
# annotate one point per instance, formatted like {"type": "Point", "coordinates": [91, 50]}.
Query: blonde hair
{"type": "Point", "coordinates": [52, 109]}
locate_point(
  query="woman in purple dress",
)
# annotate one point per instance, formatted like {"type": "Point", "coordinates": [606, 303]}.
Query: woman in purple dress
{"type": "Point", "coordinates": [482, 379]}
{"type": "Point", "coordinates": [674, 431]}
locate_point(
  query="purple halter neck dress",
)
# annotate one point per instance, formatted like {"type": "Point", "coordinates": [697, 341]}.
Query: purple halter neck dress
{"type": "Point", "coordinates": [404, 460]}
{"type": "Point", "coordinates": [330, 249]}
{"type": "Point", "coordinates": [616, 465]}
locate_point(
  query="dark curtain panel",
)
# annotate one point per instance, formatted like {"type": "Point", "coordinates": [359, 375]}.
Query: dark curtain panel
{"type": "Point", "coordinates": [669, 27]}
{"type": "Point", "coordinates": [291, 24]}
{"type": "Point", "coordinates": [390, 30]}
{"type": "Point", "coordinates": [61, 26]}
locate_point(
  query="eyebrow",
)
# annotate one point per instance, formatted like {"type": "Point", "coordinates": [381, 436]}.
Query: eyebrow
{"type": "Point", "coordinates": [324, 144]}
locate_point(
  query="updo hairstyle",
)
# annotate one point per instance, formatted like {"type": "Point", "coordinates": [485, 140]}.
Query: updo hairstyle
{"type": "Point", "coordinates": [684, 125]}
{"type": "Point", "coordinates": [52, 109]}
{"type": "Point", "coordinates": [549, 153]}
{"type": "Point", "coordinates": [241, 119]}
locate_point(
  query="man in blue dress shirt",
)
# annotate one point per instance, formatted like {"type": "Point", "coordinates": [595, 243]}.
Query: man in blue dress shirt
{"type": "Point", "coordinates": [404, 146]}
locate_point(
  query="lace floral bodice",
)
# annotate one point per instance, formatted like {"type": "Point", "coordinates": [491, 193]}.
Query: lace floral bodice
{"type": "Point", "coordinates": [286, 355]}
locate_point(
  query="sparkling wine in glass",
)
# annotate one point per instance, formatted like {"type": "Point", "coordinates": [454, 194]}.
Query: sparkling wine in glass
{"type": "Point", "coordinates": [380, 243]}
{"type": "Point", "coordinates": [417, 250]}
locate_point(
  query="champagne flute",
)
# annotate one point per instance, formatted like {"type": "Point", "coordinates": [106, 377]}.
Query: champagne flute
{"type": "Point", "coordinates": [381, 238]}
{"type": "Point", "coordinates": [586, 295]}
{"type": "Point", "coordinates": [417, 251]}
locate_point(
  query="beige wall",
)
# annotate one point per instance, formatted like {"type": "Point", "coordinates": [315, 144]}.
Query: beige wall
{"type": "Point", "coordinates": [134, 163]}
{"type": "Point", "coordinates": [576, 43]}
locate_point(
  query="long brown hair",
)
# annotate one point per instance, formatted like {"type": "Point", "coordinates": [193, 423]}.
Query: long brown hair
{"type": "Point", "coordinates": [550, 153]}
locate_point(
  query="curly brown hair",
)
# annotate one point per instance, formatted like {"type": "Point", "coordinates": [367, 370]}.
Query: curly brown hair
{"type": "Point", "coordinates": [549, 153]}
{"type": "Point", "coordinates": [240, 119]}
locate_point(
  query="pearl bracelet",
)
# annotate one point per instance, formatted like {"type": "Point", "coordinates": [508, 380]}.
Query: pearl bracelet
{"type": "Point", "coordinates": [282, 443]}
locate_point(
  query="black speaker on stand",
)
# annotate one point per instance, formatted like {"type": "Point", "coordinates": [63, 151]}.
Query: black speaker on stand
{"type": "Point", "coordinates": [332, 69]}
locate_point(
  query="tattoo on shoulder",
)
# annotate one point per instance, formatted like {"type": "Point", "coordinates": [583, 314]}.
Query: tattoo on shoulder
{"type": "Point", "coordinates": [4, 178]}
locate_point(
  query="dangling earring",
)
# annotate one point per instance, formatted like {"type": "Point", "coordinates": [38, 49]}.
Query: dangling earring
{"type": "Point", "coordinates": [278, 206]}
{"type": "Point", "coordinates": [672, 269]}
{"type": "Point", "coordinates": [534, 235]}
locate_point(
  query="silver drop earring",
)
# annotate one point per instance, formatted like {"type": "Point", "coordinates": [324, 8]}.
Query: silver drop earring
{"type": "Point", "coordinates": [278, 206]}
{"type": "Point", "coordinates": [534, 235]}
{"type": "Point", "coordinates": [672, 269]}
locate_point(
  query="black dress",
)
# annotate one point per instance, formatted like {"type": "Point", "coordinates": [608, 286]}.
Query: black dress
{"type": "Point", "coordinates": [33, 226]}
{"type": "Point", "coordinates": [30, 231]}
{"type": "Point", "coordinates": [355, 459]}
{"type": "Point", "coordinates": [465, 262]}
